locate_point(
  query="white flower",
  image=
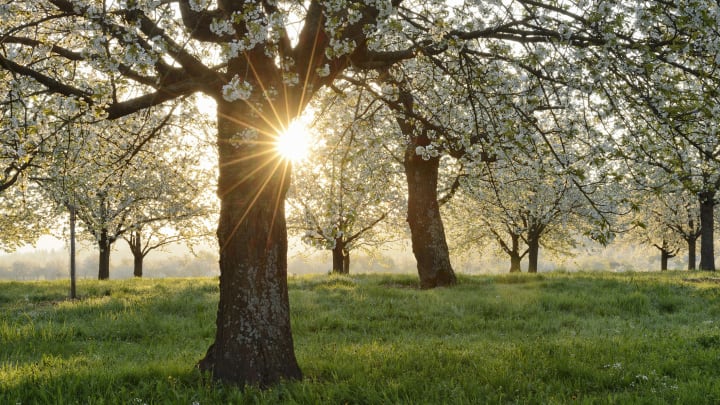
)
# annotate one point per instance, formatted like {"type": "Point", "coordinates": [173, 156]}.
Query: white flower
{"type": "Point", "coordinates": [199, 5]}
{"type": "Point", "coordinates": [235, 90]}
{"type": "Point", "coordinates": [221, 27]}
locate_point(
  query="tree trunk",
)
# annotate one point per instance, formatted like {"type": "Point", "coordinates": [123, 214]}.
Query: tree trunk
{"type": "Point", "coordinates": [692, 242]}
{"type": "Point", "coordinates": [253, 341]}
{"type": "Point", "coordinates": [664, 256]}
{"type": "Point", "coordinates": [138, 266]}
{"type": "Point", "coordinates": [515, 257]}
{"type": "Point", "coordinates": [346, 262]}
{"type": "Point", "coordinates": [515, 263]}
{"type": "Point", "coordinates": [707, 252]}
{"type": "Point", "coordinates": [104, 256]}
{"type": "Point", "coordinates": [338, 256]}
{"type": "Point", "coordinates": [533, 252]}
{"type": "Point", "coordinates": [135, 244]}
{"type": "Point", "coordinates": [73, 284]}
{"type": "Point", "coordinates": [423, 216]}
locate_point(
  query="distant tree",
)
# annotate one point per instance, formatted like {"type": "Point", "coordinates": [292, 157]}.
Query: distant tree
{"type": "Point", "coordinates": [661, 106]}
{"type": "Point", "coordinates": [668, 220]}
{"type": "Point", "coordinates": [347, 194]}
{"type": "Point", "coordinates": [120, 179]}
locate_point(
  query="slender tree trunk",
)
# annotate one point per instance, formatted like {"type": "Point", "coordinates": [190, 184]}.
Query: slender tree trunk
{"type": "Point", "coordinates": [253, 341]}
{"type": "Point", "coordinates": [707, 251]}
{"type": "Point", "coordinates": [338, 257]}
{"type": "Point", "coordinates": [426, 227]}
{"type": "Point", "coordinates": [692, 242]}
{"type": "Point", "coordinates": [533, 252]}
{"type": "Point", "coordinates": [73, 289]}
{"type": "Point", "coordinates": [104, 255]}
{"type": "Point", "coordinates": [515, 257]}
{"type": "Point", "coordinates": [135, 243]}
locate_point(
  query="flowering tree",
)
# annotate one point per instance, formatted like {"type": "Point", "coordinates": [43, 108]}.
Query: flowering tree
{"type": "Point", "coordinates": [667, 219]}
{"type": "Point", "coordinates": [122, 57]}
{"type": "Point", "coordinates": [348, 195]}
{"type": "Point", "coordinates": [124, 176]}
{"type": "Point", "coordinates": [662, 103]}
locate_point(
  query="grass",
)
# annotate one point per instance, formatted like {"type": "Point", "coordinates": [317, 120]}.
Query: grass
{"type": "Point", "coordinates": [644, 338]}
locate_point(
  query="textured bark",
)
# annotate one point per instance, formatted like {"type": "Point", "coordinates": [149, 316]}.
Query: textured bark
{"type": "Point", "coordinates": [253, 341]}
{"type": "Point", "coordinates": [426, 227]}
{"type": "Point", "coordinates": [104, 255]}
{"type": "Point", "coordinates": [707, 250]}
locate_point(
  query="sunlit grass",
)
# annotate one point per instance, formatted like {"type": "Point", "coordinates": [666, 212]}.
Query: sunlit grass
{"type": "Point", "coordinates": [551, 338]}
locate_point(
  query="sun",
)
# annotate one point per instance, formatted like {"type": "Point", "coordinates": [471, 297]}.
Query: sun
{"type": "Point", "coordinates": [294, 143]}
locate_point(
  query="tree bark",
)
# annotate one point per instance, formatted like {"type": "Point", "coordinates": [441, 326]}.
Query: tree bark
{"type": "Point", "coordinates": [515, 263]}
{"type": "Point", "coordinates": [664, 256]}
{"type": "Point", "coordinates": [707, 251]}
{"type": "Point", "coordinates": [138, 266]}
{"type": "Point", "coordinates": [339, 255]}
{"type": "Point", "coordinates": [104, 256]}
{"type": "Point", "coordinates": [253, 341]}
{"type": "Point", "coordinates": [515, 257]}
{"type": "Point", "coordinates": [423, 217]}
{"type": "Point", "coordinates": [692, 242]}
{"type": "Point", "coordinates": [135, 244]}
{"type": "Point", "coordinates": [533, 251]}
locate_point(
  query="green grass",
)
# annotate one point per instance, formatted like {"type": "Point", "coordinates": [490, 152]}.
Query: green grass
{"type": "Point", "coordinates": [644, 338]}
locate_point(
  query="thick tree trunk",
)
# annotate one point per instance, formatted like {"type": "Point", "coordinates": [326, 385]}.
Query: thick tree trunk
{"type": "Point", "coordinates": [138, 266]}
{"type": "Point", "coordinates": [692, 242]}
{"type": "Point", "coordinates": [253, 341]}
{"type": "Point", "coordinates": [426, 227]}
{"type": "Point", "coordinates": [664, 256]}
{"type": "Point", "coordinates": [515, 263]}
{"type": "Point", "coordinates": [339, 258]}
{"type": "Point", "coordinates": [104, 255]}
{"type": "Point", "coordinates": [707, 251]}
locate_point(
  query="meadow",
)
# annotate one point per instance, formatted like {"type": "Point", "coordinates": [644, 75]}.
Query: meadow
{"type": "Point", "coordinates": [552, 338]}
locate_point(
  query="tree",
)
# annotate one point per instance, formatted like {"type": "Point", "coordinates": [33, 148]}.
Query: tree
{"type": "Point", "coordinates": [158, 184]}
{"type": "Point", "coordinates": [667, 219]}
{"type": "Point", "coordinates": [120, 58]}
{"type": "Point", "coordinates": [139, 55]}
{"type": "Point", "coordinates": [663, 104]}
{"type": "Point", "coordinates": [347, 195]}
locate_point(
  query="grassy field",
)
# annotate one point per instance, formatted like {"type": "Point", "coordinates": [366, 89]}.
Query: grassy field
{"type": "Point", "coordinates": [552, 338]}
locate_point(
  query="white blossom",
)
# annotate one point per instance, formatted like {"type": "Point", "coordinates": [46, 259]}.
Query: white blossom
{"type": "Point", "coordinates": [237, 90]}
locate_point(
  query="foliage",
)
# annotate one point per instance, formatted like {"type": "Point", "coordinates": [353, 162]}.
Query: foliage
{"type": "Point", "coordinates": [554, 338]}
{"type": "Point", "coordinates": [350, 191]}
